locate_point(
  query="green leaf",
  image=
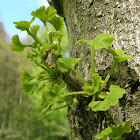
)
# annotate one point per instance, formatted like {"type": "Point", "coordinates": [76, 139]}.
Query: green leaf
{"type": "Point", "coordinates": [43, 103]}
{"type": "Point", "coordinates": [46, 76]}
{"type": "Point", "coordinates": [58, 51]}
{"type": "Point", "coordinates": [51, 107]}
{"type": "Point", "coordinates": [100, 41]}
{"type": "Point", "coordinates": [44, 48]}
{"type": "Point", "coordinates": [118, 55]}
{"type": "Point", "coordinates": [112, 99]}
{"type": "Point", "coordinates": [52, 93]}
{"type": "Point", "coordinates": [58, 35]}
{"type": "Point", "coordinates": [35, 44]}
{"type": "Point", "coordinates": [15, 40]}
{"type": "Point", "coordinates": [23, 25]}
{"type": "Point", "coordinates": [50, 37]}
{"type": "Point", "coordinates": [43, 14]}
{"type": "Point", "coordinates": [17, 46]}
{"type": "Point", "coordinates": [29, 87]}
{"type": "Point", "coordinates": [26, 77]}
{"type": "Point", "coordinates": [40, 13]}
{"type": "Point", "coordinates": [102, 95]}
{"type": "Point", "coordinates": [57, 22]}
{"type": "Point", "coordinates": [49, 15]}
{"type": "Point", "coordinates": [90, 90]}
{"type": "Point", "coordinates": [31, 56]}
{"type": "Point", "coordinates": [34, 29]}
{"type": "Point", "coordinates": [96, 79]}
{"type": "Point", "coordinates": [114, 132]}
{"type": "Point", "coordinates": [29, 83]}
{"type": "Point", "coordinates": [68, 63]}
{"type": "Point", "coordinates": [94, 88]}
{"type": "Point", "coordinates": [50, 12]}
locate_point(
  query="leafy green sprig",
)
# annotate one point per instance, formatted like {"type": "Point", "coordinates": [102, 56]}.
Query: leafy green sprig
{"type": "Point", "coordinates": [103, 41]}
{"type": "Point", "coordinates": [115, 133]}
{"type": "Point", "coordinates": [52, 81]}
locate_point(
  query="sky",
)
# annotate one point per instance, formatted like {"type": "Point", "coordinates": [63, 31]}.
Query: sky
{"type": "Point", "coordinates": [18, 10]}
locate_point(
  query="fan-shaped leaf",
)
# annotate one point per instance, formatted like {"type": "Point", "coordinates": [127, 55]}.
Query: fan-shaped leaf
{"type": "Point", "coordinates": [100, 41]}
{"type": "Point", "coordinates": [17, 46]}
{"type": "Point", "coordinates": [57, 22]}
{"type": "Point", "coordinates": [90, 90]}
{"type": "Point", "coordinates": [115, 94]}
{"type": "Point", "coordinates": [22, 25]}
{"type": "Point", "coordinates": [34, 29]}
{"type": "Point", "coordinates": [118, 55]}
{"type": "Point", "coordinates": [96, 79]}
{"type": "Point", "coordinates": [114, 132]}
{"type": "Point", "coordinates": [26, 77]}
{"type": "Point", "coordinates": [43, 14]}
{"type": "Point", "coordinates": [29, 87]}
{"type": "Point", "coordinates": [52, 93]}
{"type": "Point", "coordinates": [94, 88]}
{"type": "Point", "coordinates": [68, 63]}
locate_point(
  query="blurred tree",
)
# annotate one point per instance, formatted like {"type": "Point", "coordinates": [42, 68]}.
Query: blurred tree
{"type": "Point", "coordinates": [3, 34]}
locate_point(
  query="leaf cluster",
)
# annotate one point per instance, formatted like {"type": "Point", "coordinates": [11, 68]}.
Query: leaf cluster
{"type": "Point", "coordinates": [52, 81]}
{"type": "Point", "coordinates": [115, 133]}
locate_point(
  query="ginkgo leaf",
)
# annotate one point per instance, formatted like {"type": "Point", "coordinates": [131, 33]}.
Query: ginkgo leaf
{"type": "Point", "coordinates": [17, 46]}
{"type": "Point", "coordinates": [43, 14]}
{"type": "Point", "coordinates": [90, 90]}
{"type": "Point", "coordinates": [118, 55]}
{"type": "Point", "coordinates": [29, 83]}
{"type": "Point", "coordinates": [43, 103]}
{"type": "Point", "coordinates": [15, 40]}
{"type": "Point", "coordinates": [50, 37]}
{"type": "Point", "coordinates": [29, 87]}
{"type": "Point", "coordinates": [50, 12]}
{"type": "Point", "coordinates": [51, 107]}
{"type": "Point", "coordinates": [34, 29]}
{"type": "Point", "coordinates": [46, 76]}
{"type": "Point", "coordinates": [112, 99]}
{"type": "Point", "coordinates": [58, 35]}
{"type": "Point", "coordinates": [49, 15]}
{"type": "Point", "coordinates": [26, 77]}
{"type": "Point", "coordinates": [102, 95]}
{"type": "Point", "coordinates": [68, 63]}
{"type": "Point", "coordinates": [40, 13]}
{"type": "Point", "coordinates": [58, 51]}
{"type": "Point", "coordinates": [52, 93]}
{"type": "Point", "coordinates": [115, 133]}
{"type": "Point", "coordinates": [94, 88]}
{"type": "Point", "coordinates": [22, 25]}
{"type": "Point", "coordinates": [100, 41]}
{"type": "Point", "coordinates": [57, 22]}
{"type": "Point", "coordinates": [96, 79]}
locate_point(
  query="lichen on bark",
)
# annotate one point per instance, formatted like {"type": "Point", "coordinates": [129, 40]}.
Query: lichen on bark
{"type": "Point", "coordinates": [85, 19]}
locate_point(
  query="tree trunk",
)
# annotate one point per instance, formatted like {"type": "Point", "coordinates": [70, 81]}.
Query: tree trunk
{"type": "Point", "coordinates": [84, 20]}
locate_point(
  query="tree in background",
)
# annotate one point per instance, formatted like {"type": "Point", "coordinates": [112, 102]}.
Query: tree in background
{"type": "Point", "coordinates": [3, 35]}
{"type": "Point", "coordinates": [85, 19]}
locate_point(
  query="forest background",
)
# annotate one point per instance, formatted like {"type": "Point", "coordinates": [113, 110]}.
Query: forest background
{"type": "Point", "coordinates": [19, 113]}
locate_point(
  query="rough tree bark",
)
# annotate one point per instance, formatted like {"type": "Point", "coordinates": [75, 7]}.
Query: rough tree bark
{"type": "Point", "coordinates": [84, 20]}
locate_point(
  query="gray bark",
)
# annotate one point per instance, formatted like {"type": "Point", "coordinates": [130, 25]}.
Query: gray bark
{"type": "Point", "coordinates": [85, 19]}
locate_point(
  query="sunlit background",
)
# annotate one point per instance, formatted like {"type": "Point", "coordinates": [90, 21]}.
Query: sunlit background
{"type": "Point", "coordinates": [17, 10]}
{"type": "Point", "coordinates": [20, 113]}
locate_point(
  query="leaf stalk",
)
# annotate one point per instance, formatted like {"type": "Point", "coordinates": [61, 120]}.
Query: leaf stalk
{"type": "Point", "coordinates": [108, 76]}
